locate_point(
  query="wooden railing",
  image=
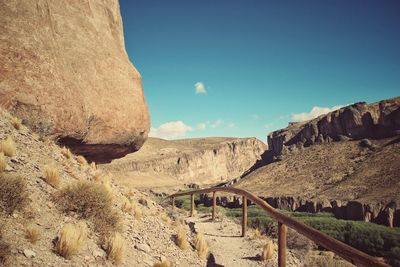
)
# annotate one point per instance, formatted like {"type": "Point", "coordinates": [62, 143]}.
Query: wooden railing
{"type": "Point", "coordinates": [345, 251]}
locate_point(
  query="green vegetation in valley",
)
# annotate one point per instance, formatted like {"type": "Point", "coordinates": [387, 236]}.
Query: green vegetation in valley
{"type": "Point", "coordinates": [376, 240]}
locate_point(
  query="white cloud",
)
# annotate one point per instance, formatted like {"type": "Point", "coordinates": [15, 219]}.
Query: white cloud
{"type": "Point", "coordinates": [255, 116]}
{"type": "Point", "coordinates": [170, 130]}
{"type": "Point", "coordinates": [217, 123]}
{"type": "Point", "coordinates": [200, 88]}
{"type": "Point", "coordinates": [231, 125]}
{"type": "Point", "coordinates": [201, 126]}
{"type": "Point", "coordinates": [315, 112]}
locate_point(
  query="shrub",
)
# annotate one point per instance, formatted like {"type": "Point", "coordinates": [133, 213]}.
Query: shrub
{"type": "Point", "coordinates": [16, 122]}
{"type": "Point", "coordinates": [267, 251]}
{"type": "Point", "coordinates": [163, 263]}
{"type": "Point", "coordinates": [373, 239]}
{"type": "Point", "coordinates": [81, 160]}
{"type": "Point", "coordinates": [32, 233]}
{"type": "Point", "coordinates": [181, 238]}
{"type": "Point", "coordinates": [5, 253]}
{"type": "Point", "coordinates": [3, 162]}
{"type": "Point", "coordinates": [116, 248]}
{"type": "Point", "coordinates": [51, 175]}
{"type": "Point", "coordinates": [12, 193]}
{"type": "Point", "coordinates": [256, 234]}
{"type": "Point", "coordinates": [71, 239]}
{"type": "Point", "coordinates": [90, 201]}
{"type": "Point", "coordinates": [66, 152]}
{"type": "Point", "coordinates": [8, 147]}
{"type": "Point", "coordinates": [201, 246]}
{"type": "Point", "coordinates": [165, 218]}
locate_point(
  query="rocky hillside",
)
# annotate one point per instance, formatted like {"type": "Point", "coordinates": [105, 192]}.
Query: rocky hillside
{"type": "Point", "coordinates": [201, 161]}
{"type": "Point", "coordinates": [65, 72]}
{"type": "Point", "coordinates": [45, 192]}
{"type": "Point", "coordinates": [321, 165]}
{"type": "Point", "coordinates": [357, 121]}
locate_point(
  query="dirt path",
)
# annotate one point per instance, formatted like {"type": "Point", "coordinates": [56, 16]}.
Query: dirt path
{"type": "Point", "coordinates": [229, 248]}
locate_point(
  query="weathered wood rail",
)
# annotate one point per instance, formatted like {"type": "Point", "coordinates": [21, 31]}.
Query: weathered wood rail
{"type": "Point", "coordinates": [345, 251]}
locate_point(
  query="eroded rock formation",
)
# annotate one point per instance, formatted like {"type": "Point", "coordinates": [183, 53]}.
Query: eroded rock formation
{"type": "Point", "coordinates": [357, 121]}
{"type": "Point", "coordinates": [64, 71]}
{"type": "Point", "coordinates": [204, 160]}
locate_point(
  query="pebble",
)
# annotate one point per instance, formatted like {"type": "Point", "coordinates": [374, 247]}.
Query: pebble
{"type": "Point", "coordinates": [29, 253]}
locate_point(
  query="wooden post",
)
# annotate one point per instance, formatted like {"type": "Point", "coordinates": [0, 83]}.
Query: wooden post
{"type": "Point", "coordinates": [244, 216]}
{"type": "Point", "coordinates": [173, 203]}
{"type": "Point", "coordinates": [191, 205]}
{"type": "Point", "coordinates": [281, 244]}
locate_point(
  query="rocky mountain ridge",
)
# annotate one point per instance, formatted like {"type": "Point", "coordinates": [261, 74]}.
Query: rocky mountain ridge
{"type": "Point", "coordinates": [357, 121]}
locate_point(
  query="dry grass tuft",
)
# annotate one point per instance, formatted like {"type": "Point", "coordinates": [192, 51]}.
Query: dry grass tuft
{"type": "Point", "coordinates": [12, 193]}
{"type": "Point", "coordinates": [17, 123]}
{"type": "Point", "coordinates": [181, 239]}
{"type": "Point", "coordinates": [201, 246]}
{"type": "Point", "coordinates": [8, 147]}
{"type": "Point", "coordinates": [268, 251]}
{"type": "Point", "coordinates": [165, 218]}
{"type": "Point", "coordinates": [66, 152]}
{"type": "Point", "coordinates": [163, 263]}
{"type": "Point", "coordinates": [3, 162]}
{"type": "Point", "coordinates": [81, 160]}
{"type": "Point", "coordinates": [32, 233]}
{"type": "Point", "coordinates": [90, 201]}
{"type": "Point", "coordinates": [256, 234]}
{"type": "Point", "coordinates": [93, 165]}
{"type": "Point", "coordinates": [72, 238]}
{"type": "Point", "coordinates": [51, 175]}
{"type": "Point", "coordinates": [126, 205]}
{"type": "Point", "coordinates": [116, 248]}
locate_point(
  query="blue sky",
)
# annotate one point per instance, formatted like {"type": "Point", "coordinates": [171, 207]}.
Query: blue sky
{"type": "Point", "coordinates": [258, 63]}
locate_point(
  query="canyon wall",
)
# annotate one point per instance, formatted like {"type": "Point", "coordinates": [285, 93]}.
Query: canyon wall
{"type": "Point", "coordinates": [64, 71]}
{"type": "Point", "coordinates": [204, 160]}
{"type": "Point", "coordinates": [357, 121]}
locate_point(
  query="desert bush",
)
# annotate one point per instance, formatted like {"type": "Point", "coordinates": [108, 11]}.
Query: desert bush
{"type": "Point", "coordinates": [181, 239]}
{"type": "Point", "coordinates": [116, 248]}
{"type": "Point", "coordinates": [298, 241]}
{"type": "Point", "coordinates": [201, 246]}
{"type": "Point", "coordinates": [5, 253]}
{"type": "Point", "coordinates": [66, 152]}
{"type": "Point", "coordinates": [81, 160]}
{"type": "Point", "coordinates": [373, 239]}
{"type": "Point", "coordinates": [162, 263]}
{"type": "Point", "coordinates": [90, 201]}
{"type": "Point", "coordinates": [51, 175]}
{"type": "Point", "coordinates": [267, 251]}
{"type": "Point", "coordinates": [12, 193]}
{"type": "Point", "coordinates": [16, 123]}
{"type": "Point", "coordinates": [3, 162]}
{"type": "Point", "coordinates": [255, 234]}
{"type": "Point", "coordinates": [8, 147]}
{"type": "Point", "coordinates": [71, 239]}
{"type": "Point", "coordinates": [32, 233]}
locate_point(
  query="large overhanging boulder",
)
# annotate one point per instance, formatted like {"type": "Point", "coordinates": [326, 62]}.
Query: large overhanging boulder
{"type": "Point", "coordinates": [64, 71]}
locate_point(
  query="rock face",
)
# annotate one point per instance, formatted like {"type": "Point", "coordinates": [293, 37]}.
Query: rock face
{"type": "Point", "coordinates": [357, 121]}
{"type": "Point", "coordinates": [200, 161]}
{"type": "Point", "coordinates": [385, 214]}
{"type": "Point", "coordinates": [64, 71]}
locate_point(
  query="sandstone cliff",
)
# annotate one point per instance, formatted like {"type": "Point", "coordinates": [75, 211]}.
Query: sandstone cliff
{"type": "Point", "coordinates": [201, 161]}
{"type": "Point", "coordinates": [357, 121]}
{"type": "Point", "coordinates": [64, 71]}
{"type": "Point", "coordinates": [321, 165]}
